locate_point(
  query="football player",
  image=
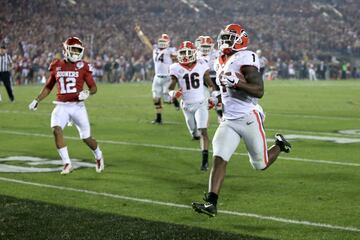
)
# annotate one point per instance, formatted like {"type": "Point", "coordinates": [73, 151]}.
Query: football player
{"type": "Point", "coordinates": [163, 56]}
{"type": "Point", "coordinates": [190, 74]}
{"type": "Point", "coordinates": [241, 86]}
{"type": "Point", "coordinates": [69, 75]}
{"type": "Point", "coordinates": [207, 52]}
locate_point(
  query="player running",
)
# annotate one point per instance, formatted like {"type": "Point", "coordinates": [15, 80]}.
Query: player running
{"type": "Point", "coordinates": [163, 56]}
{"type": "Point", "coordinates": [191, 74]}
{"type": "Point", "coordinates": [237, 74]}
{"type": "Point", "coordinates": [69, 76]}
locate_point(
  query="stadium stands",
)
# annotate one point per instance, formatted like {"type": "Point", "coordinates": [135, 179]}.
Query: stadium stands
{"type": "Point", "coordinates": [290, 33]}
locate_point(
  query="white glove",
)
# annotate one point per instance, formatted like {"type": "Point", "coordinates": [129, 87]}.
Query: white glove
{"type": "Point", "coordinates": [84, 94]}
{"type": "Point", "coordinates": [230, 81]}
{"type": "Point", "coordinates": [212, 102]}
{"type": "Point", "coordinates": [175, 93]}
{"type": "Point", "coordinates": [33, 105]}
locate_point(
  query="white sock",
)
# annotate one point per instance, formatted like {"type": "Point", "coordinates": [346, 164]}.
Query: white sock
{"type": "Point", "coordinates": [63, 152]}
{"type": "Point", "coordinates": [97, 153]}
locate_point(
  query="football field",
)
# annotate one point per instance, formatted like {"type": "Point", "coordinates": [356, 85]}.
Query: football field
{"type": "Point", "coordinates": [152, 172]}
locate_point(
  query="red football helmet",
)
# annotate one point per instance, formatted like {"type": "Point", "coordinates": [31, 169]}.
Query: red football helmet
{"type": "Point", "coordinates": [164, 41]}
{"type": "Point", "coordinates": [206, 45]}
{"type": "Point", "coordinates": [73, 49]}
{"type": "Point", "coordinates": [186, 53]}
{"type": "Point", "coordinates": [232, 38]}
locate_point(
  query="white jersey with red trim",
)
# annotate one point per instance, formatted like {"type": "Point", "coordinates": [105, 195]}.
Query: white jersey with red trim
{"type": "Point", "coordinates": [236, 102]}
{"type": "Point", "coordinates": [209, 58]}
{"type": "Point", "coordinates": [191, 80]}
{"type": "Point", "coordinates": [162, 60]}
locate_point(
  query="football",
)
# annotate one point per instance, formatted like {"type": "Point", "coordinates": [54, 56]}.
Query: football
{"type": "Point", "coordinates": [238, 75]}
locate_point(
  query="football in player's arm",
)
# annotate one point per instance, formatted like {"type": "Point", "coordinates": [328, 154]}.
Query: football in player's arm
{"type": "Point", "coordinates": [238, 74]}
{"type": "Point", "coordinates": [69, 75]}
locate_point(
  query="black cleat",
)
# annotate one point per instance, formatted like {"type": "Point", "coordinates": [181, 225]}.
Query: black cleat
{"type": "Point", "coordinates": [156, 122]}
{"type": "Point", "coordinates": [284, 145]}
{"type": "Point", "coordinates": [195, 138]}
{"type": "Point", "coordinates": [204, 166]}
{"type": "Point", "coordinates": [205, 208]}
{"type": "Point", "coordinates": [176, 104]}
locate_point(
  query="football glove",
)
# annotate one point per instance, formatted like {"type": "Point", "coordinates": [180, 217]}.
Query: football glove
{"type": "Point", "coordinates": [33, 105]}
{"type": "Point", "coordinates": [84, 94]}
{"type": "Point", "coordinates": [213, 101]}
{"type": "Point", "coordinates": [175, 94]}
{"type": "Point", "coordinates": [230, 81]}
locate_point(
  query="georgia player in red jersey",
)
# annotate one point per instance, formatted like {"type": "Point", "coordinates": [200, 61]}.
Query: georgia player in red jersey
{"type": "Point", "coordinates": [69, 76]}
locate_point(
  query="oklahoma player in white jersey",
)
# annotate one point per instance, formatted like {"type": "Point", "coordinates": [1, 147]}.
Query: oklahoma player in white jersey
{"type": "Point", "coordinates": [241, 86]}
{"type": "Point", "coordinates": [69, 75]}
{"type": "Point", "coordinates": [206, 51]}
{"type": "Point", "coordinates": [191, 74]}
{"type": "Point", "coordinates": [163, 56]}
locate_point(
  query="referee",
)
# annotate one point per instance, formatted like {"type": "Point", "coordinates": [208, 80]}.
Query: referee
{"type": "Point", "coordinates": [5, 67]}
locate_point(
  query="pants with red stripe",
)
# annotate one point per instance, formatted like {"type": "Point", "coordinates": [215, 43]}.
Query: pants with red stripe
{"type": "Point", "coordinates": [249, 128]}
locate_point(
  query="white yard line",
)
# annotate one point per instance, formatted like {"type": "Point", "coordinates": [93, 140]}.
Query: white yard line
{"type": "Point", "coordinates": [288, 115]}
{"type": "Point", "coordinates": [212, 125]}
{"type": "Point", "coordinates": [175, 205]}
{"type": "Point", "coordinates": [330, 162]}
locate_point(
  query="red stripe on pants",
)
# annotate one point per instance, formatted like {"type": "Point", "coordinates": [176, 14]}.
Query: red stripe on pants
{"type": "Point", "coordinates": [262, 135]}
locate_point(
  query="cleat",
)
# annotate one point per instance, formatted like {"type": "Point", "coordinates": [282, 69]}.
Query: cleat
{"type": "Point", "coordinates": [176, 104]}
{"type": "Point", "coordinates": [156, 122]}
{"type": "Point", "coordinates": [67, 169]}
{"type": "Point", "coordinates": [195, 138]}
{"type": "Point", "coordinates": [204, 166]}
{"type": "Point", "coordinates": [99, 166]}
{"type": "Point", "coordinates": [205, 208]}
{"type": "Point", "coordinates": [284, 145]}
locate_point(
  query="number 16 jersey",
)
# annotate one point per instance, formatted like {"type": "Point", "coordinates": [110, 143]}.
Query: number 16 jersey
{"type": "Point", "coordinates": [69, 78]}
{"type": "Point", "coordinates": [191, 80]}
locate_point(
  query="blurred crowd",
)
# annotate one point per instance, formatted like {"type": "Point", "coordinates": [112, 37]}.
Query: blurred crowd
{"type": "Point", "coordinates": [297, 37]}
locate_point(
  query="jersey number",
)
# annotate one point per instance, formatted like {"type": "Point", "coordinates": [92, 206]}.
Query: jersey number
{"type": "Point", "coordinates": [193, 80]}
{"type": "Point", "coordinates": [67, 85]}
{"type": "Point", "coordinates": [160, 58]}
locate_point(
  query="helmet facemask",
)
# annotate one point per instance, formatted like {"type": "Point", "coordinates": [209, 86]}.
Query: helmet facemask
{"type": "Point", "coordinates": [73, 50]}
{"type": "Point", "coordinates": [205, 49]}
{"type": "Point", "coordinates": [163, 43]}
{"type": "Point", "coordinates": [228, 39]}
{"type": "Point", "coordinates": [186, 55]}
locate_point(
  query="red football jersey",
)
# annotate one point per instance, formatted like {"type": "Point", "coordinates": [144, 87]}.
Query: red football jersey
{"type": "Point", "coordinates": [70, 78]}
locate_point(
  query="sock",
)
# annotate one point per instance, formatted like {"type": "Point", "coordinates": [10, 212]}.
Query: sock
{"type": "Point", "coordinates": [158, 117]}
{"type": "Point", "coordinates": [64, 154]}
{"type": "Point", "coordinates": [176, 103]}
{"type": "Point", "coordinates": [97, 153]}
{"type": "Point", "coordinates": [205, 157]}
{"type": "Point", "coordinates": [212, 198]}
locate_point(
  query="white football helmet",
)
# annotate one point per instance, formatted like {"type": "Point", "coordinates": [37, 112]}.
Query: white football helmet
{"type": "Point", "coordinates": [73, 49]}
{"type": "Point", "coordinates": [164, 41]}
{"type": "Point", "coordinates": [186, 53]}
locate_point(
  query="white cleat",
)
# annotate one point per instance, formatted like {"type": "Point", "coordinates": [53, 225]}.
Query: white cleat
{"type": "Point", "coordinates": [67, 169]}
{"type": "Point", "coordinates": [99, 166]}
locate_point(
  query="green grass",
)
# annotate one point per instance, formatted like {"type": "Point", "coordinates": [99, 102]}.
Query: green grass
{"type": "Point", "coordinates": [140, 165]}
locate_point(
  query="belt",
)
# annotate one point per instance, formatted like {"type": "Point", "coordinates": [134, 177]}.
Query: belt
{"type": "Point", "coordinates": [162, 76]}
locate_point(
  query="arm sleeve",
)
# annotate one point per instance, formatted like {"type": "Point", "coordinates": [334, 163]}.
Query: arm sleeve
{"type": "Point", "coordinates": [90, 82]}
{"type": "Point", "coordinates": [250, 59]}
{"type": "Point", "coordinates": [50, 83]}
{"type": "Point", "coordinates": [173, 71]}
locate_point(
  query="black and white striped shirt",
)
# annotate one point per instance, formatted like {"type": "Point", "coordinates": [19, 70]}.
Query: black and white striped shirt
{"type": "Point", "coordinates": [5, 63]}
